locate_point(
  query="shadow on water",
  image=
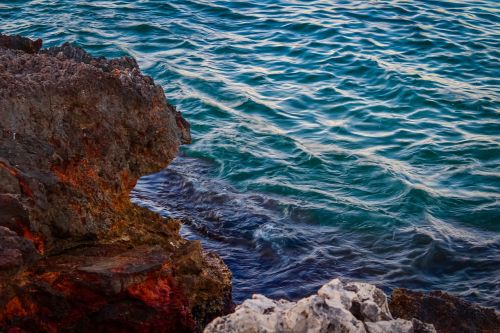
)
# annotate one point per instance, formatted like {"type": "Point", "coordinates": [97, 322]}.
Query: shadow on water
{"type": "Point", "coordinates": [275, 246]}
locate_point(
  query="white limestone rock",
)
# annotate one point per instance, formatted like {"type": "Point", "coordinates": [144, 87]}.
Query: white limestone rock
{"type": "Point", "coordinates": [399, 326]}
{"type": "Point", "coordinates": [338, 307]}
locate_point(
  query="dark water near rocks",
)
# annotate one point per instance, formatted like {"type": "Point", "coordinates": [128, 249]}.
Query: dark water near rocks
{"type": "Point", "coordinates": [331, 138]}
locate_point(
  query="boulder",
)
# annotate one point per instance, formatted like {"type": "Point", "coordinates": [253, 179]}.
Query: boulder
{"type": "Point", "coordinates": [76, 132]}
{"type": "Point", "coordinates": [338, 307]}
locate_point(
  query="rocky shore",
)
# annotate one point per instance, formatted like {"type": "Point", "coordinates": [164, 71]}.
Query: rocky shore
{"type": "Point", "coordinates": [354, 307]}
{"type": "Point", "coordinates": [337, 307]}
{"type": "Point", "coordinates": [76, 132]}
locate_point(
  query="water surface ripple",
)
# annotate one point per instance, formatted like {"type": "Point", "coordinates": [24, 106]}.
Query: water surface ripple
{"type": "Point", "coordinates": [331, 138]}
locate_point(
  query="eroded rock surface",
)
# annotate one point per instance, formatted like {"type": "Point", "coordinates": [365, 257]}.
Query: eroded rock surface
{"type": "Point", "coordinates": [337, 307]}
{"type": "Point", "coordinates": [449, 314]}
{"type": "Point", "coordinates": [20, 43]}
{"type": "Point", "coordinates": [76, 132]}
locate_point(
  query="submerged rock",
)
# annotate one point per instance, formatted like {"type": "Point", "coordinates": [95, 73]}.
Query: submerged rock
{"type": "Point", "coordinates": [337, 307]}
{"type": "Point", "coordinates": [76, 132]}
{"type": "Point", "coordinates": [449, 314]}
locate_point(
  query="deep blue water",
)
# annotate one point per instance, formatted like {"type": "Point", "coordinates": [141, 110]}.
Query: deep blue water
{"type": "Point", "coordinates": [331, 138]}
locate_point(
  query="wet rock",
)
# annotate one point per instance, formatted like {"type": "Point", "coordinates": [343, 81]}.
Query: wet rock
{"type": "Point", "coordinates": [447, 313]}
{"type": "Point", "coordinates": [337, 307]}
{"type": "Point", "coordinates": [76, 132]}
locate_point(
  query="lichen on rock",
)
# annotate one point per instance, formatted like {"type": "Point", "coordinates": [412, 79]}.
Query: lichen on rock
{"type": "Point", "coordinates": [76, 132]}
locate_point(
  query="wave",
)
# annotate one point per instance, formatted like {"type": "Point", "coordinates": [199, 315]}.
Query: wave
{"type": "Point", "coordinates": [272, 242]}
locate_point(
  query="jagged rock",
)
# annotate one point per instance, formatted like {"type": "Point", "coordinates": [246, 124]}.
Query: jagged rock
{"type": "Point", "coordinates": [447, 313]}
{"type": "Point", "coordinates": [20, 43]}
{"type": "Point", "coordinates": [337, 307]}
{"type": "Point", "coordinates": [76, 132]}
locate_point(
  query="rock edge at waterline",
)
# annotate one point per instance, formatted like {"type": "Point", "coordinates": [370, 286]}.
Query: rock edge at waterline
{"type": "Point", "coordinates": [338, 307]}
{"type": "Point", "coordinates": [76, 132]}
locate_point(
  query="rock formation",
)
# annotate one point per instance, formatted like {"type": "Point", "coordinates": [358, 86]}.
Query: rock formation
{"type": "Point", "coordinates": [449, 314]}
{"type": "Point", "coordinates": [338, 307]}
{"type": "Point", "coordinates": [76, 132]}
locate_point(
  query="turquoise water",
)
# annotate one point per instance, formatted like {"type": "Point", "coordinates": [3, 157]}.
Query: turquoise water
{"type": "Point", "coordinates": [331, 138]}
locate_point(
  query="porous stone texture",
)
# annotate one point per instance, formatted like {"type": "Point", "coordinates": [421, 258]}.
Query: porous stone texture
{"type": "Point", "coordinates": [76, 132]}
{"type": "Point", "coordinates": [20, 43]}
{"type": "Point", "coordinates": [449, 314]}
{"type": "Point", "coordinates": [338, 307]}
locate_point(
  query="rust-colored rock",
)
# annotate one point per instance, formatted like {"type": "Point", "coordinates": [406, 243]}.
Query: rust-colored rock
{"type": "Point", "coordinates": [76, 132]}
{"type": "Point", "coordinates": [447, 313]}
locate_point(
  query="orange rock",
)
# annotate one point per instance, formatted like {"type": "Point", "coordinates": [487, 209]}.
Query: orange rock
{"type": "Point", "coordinates": [76, 134]}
